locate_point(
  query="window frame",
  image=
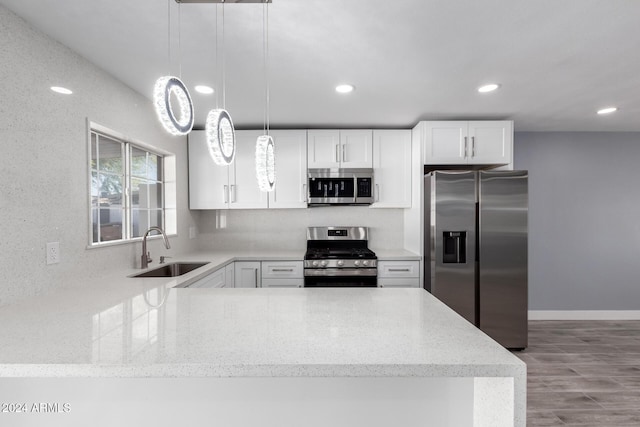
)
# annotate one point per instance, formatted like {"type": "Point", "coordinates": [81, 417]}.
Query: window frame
{"type": "Point", "coordinates": [167, 181]}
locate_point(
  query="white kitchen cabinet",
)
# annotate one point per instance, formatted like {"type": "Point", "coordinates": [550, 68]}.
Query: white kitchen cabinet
{"type": "Point", "coordinates": [333, 148]}
{"type": "Point", "coordinates": [467, 142]}
{"type": "Point", "coordinates": [229, 275]}
{"type": "Point", "coordinates": [213, 186]}
{"type": "Point", "coordinates": [208, 182]}
{"type": "Point", "coordinates": [244, 192]}
{"type": "Point", "coordinates": [399, 274]}
{"type": "Point", "coordinates": [282, 274]}
{"type": "Point", "coordinates": [290, 190]}
{"type": "Point", "coordinates": [392, 168]}
{"type": "Point", "coordinates": [247, 274]}
{"type": "Point", "coordinates": [217, 279]}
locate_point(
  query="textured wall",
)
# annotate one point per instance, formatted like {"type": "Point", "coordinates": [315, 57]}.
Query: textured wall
{"type": "Point", "coordinates": [584, 219]}
{"type": "Point", "coordinates": [43, 156]}
{"type": "Point", "coordinates": [285, 229]}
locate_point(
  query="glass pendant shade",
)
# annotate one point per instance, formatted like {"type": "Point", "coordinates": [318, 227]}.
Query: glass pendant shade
{"type": "Point", "coordinates": [164, 89]}
{"type": "Point", "coordinates": [265, 163]}
{"type": "Point", "coordinates": [221, 136]}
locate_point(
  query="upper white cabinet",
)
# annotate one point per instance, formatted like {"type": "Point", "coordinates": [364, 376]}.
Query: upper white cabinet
{"type": "Point", "coordinates": [291, 169]}
{"type": "Point", "coordinates": [468, 142]}
{"type": "Point", "coordinates": [392, 168]}
{"type": "Point", "coordinates": [212, 186]}
{"type": "Point", "coordinates": [339, 148]}
{"type": "Point", "coordinates": [244, 192]}
{"type": "Point", "coordinates": [208, 182]}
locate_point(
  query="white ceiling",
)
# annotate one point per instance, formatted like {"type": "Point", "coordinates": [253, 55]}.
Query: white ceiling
{"type": "Point", "coordinates": [410, 60]}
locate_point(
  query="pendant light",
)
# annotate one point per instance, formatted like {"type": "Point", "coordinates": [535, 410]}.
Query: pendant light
{"type": "Point", "coordinates": [219, 130]}
{"type": "Point", "coordinates": [167, 87]}
{"type": "Point", "coordinates": [265, 147]}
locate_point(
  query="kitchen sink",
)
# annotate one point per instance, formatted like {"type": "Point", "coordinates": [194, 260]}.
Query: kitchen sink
{"type": "Point", "coordinates": [173, 269]}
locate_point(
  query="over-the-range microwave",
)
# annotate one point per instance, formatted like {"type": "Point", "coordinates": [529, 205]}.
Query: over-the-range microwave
{"type": "Point", "coordinates": [340, 187]}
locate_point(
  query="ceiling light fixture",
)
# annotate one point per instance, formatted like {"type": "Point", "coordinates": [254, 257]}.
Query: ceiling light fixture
{"type": "Point", "coordinates": [345, 88]}
{"type": "Point", "coordinates": [168, 87]}
{"type": "Point", "coordinates": [488, 88]}
{"type": "Point", "coordinates": [205, 90]}
{"type": "Point", "coordinates": [219, 130]}
{"type": "Point", "coordinates": [62, 90]}
{"type": "Point", "coordinates": [607, 110]}
{"type": "Point", "coordinates": [265, 147]}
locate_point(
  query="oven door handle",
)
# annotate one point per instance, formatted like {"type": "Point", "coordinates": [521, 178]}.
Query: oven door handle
{"type": "Point", "coordinates": [337, 272]}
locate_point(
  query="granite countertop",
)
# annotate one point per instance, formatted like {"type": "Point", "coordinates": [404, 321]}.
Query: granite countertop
{"type": "Point", "coordinates": [118, 326]}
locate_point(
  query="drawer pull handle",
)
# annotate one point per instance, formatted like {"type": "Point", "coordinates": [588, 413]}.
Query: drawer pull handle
{"type": "Point", "coordinates": [283, 269]}
{"type": "Point", "coordinates": [399, 269]}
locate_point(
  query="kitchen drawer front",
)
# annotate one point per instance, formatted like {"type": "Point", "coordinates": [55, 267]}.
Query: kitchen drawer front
{"type": "Point", "coordinates": [282, 283]}
{"type": "Point", "coordinates": [282, 270]}
{"type": "Point", "coordinates": [399, 282]}
{"type": "Point", "coordinates": [398, 269]}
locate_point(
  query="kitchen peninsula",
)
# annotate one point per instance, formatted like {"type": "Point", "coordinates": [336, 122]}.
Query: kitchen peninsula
{"type": "Point", "coordinates": [273, 357]}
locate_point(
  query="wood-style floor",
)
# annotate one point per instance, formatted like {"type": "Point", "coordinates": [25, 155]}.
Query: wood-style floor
{"type": "Point", "coordinates": [583, 373]}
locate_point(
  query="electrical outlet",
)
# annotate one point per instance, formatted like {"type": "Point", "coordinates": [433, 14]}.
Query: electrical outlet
{"type": "Point", "coordinates": [53, 253]}
{"type": "Point", "coordinates": [192, 232]}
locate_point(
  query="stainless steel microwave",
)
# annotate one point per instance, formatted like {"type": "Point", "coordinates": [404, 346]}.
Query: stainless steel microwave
{"type": "Point", "coordinates": [340, 186]}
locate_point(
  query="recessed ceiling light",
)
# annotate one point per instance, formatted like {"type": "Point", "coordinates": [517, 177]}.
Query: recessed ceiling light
{"type": "Point", "coordinates": [62, 90]}
{"type": "Point", "coordinates": [608, 110]}
{"type": "Point", "coordinates": [204, 89]}
{"type": "Point", "coordinates": [344, 88]}
{"type": "Point", "coordinates": [488, 88]}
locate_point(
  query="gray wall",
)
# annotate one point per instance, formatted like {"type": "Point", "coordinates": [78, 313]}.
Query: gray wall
{"type": "Point", "coordinates": [584, 223]}
{"type": "Point", "coordinates": [43, 158]}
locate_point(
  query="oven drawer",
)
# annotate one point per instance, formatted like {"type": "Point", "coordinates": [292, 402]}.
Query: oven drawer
{"type": "Point", "coordinates": [398, 269]}
{"type": "Point", "coordinates": [282, 270]}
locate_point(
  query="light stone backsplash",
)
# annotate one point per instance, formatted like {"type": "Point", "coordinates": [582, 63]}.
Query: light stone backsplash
{"type": "Point", "coordinates": [43, 152]}
{"type": "Point", "coordinates": [285, 229]}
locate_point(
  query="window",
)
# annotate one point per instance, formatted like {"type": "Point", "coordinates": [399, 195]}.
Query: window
{"type": "Point", "coordinates": [128, 188]}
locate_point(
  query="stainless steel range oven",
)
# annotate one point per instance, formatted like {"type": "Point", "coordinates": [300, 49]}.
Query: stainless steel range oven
{"type": "Point", "coordinates": [339, 257]}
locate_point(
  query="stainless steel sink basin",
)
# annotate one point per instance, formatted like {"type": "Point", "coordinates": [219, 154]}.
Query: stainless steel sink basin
{"type": "Point", "coordinates": [172, 270]}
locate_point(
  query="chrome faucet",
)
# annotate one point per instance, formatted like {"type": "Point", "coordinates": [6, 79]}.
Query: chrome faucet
{"type": "Point", "coordinates": [146, 256]}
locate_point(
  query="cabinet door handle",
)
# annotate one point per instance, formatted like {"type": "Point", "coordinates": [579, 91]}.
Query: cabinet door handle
{"type": "Point", "coordinates": [377, 193]}
{"type": "Point", "coordinates": [225, 190]}
{"type": "Point", "coordinates": [473, 146]}
{"type": "Point", "coordinates": [465, 147]}
{"type": "Point", "coordinates": [256, 271]}
{"type": "Point", "coordinates": [337, 153]}
{"type": "Point", "coordinates": [344, 153]}
{"type": "Point", "coordinates": [399, 269]}
{"type": "Point", "coordinates": [233, 193]}
{"type": "Point", "coordinates": [304, 192]}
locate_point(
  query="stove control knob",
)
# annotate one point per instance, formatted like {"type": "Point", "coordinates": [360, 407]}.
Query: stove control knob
{"type": "Point", "coordinates": [314, 263]}
{"type": "Point", "coordinates": [323, 263]}
{"type": "Point", "coordinates": [340, 263]}
{"type": "Point", "coordinates": [357, 263]}
{"type": "Point", "coordinates": [365, 262]}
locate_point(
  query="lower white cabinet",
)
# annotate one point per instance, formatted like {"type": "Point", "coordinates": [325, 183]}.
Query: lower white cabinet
{"type": "Point", "coordinates": [282, 274]}
{"type": "Point", "coordinates": [217, 279]}
{"type": "Point", "coordinates": [399, 274]}
{"type": "Point", "coordinates": [247, 274]}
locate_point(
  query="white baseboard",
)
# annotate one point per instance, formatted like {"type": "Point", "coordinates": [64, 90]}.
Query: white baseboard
{"type": "Point", "coordinates": [584, 314]}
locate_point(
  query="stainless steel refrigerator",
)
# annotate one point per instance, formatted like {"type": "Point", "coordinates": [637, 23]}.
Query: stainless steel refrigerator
{"type": "Point", "coordinates": [476, 248]}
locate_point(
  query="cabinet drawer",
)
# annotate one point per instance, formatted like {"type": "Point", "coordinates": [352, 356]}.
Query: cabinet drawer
{"type": "Point", "coordinates": [282, 270]}
{"type": "Point", "coordinates": [405, 282]}
{"type": "Point", "coordinates": [282, 283]}
{"type": "Point", "coordinates": [398, 268]}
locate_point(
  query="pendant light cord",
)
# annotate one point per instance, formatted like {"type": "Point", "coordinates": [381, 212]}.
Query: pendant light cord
{"type": "Point", "coordinates": [224, 83]}
{"type": "Point", "coordinates": [265, 46]}
{"type": "Point", "coordinates": [169, 34]}
{"type": "Point", "coordinates": [180, 40]}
